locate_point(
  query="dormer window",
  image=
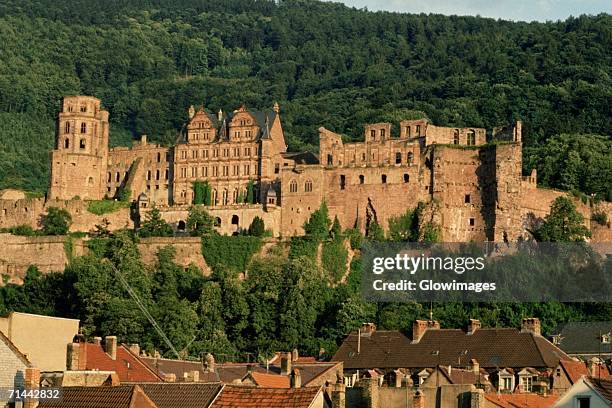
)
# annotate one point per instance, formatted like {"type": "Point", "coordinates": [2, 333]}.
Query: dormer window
{"type": "Point", "coordinates": [606, 338]}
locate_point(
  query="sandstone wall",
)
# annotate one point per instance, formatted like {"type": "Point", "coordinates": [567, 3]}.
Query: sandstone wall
{"type": "Point", "coordinates": [188, 251]}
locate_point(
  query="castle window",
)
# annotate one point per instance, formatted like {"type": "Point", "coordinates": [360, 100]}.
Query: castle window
{"type": "Point", "coordinates": [237, 134]}
{"type": "Point", "coordinates": [247, 169]}
{"type": "Point", "coordinates": [194, 172]}
{"type": "Point", "coordinates": [217, 222]}
{"type": "Point", "coordinates": [184, 172]}
{"type": "Point", "coordinates": [110, 177]}
{"type": "Point", "coordinates": [83, 108]}
{"type": "Point", "coordinates": [467, 199]}
{"type": "Point", "coordinates": [235, 219]}
{"type": "Point", "coordinates": [214, 197]}
{"type": "Point", "coordinates": [384, 179]}
{"type": "Point", "coordinates": [406, 178]}
{"type": "Point", "coordinates": [158, 157]}
{"type": "Point", "coordinates": [224, 197]}
{"type": "Point", "coordinates": [293, 186]}
{"type": "Point", "coordinates": [117, 177]}
{"type": "Point", "coordinates": [149, 175]}
{"type": "Point", "coordinates": [90, 181]}
{"type": "Point", "coordinates": [418, 130]}
{"type": "Point", "coordinates": [247, 133]}
{"type": "Point", "coordinates": [205, 171]}
{"type": "Point", "coordinates": [215, 171]}
{"type": "Point", "coordinates": [363, 156]}
{"type": "Point", "coordinates": [471, 138]}
{"type": "Point", "coordinates": [205, 153]}
{"type": "Point", "coordinates": [67, 127]}
{"type": "Point", "coordinates": [67, 143]}
{"type": "Point", "coordinates": [247, 151]}
{"type": "Point", "coordinates": [83, 127]}
{"type": "Point", "coordinates": [472, 222]}
{"type": "Point", "coordinates": [330, 160]}
{"type": "Point", "coordinates": [276, 168]}
{"type": "Point", "coordinates": [181, 225]}
{"type": "Point", "coordinates": [361, 179]}
{"type": "Point", "coordinates": [398, 158]}
{"type": "Point", "coordinates": [226, 170]}
{"type": "Point", "coordinates": [308, 186]}
{"type": "Point", "coordinates": [456, 137]}
{"type": "Point", "coordinates": [225, 152]}
{"type": "Point", "coordinates": [166, 174]}
{"type": "Point", "coordinates": [342, 181]}
{"type": "Point", "coordinates": [156, 174]}
{"type": "Point", "coordinates": [235, 197]}
{"type": "Point", "coordinates": [410, 158]}
{"type": "Point", "coordinates": [408, 131]}
{"type": "Point", "coordinates": [373, 134]}
{"type": "Point", "coordinates": [382, 133]}
{"type": "Point", "coordinates": [70, 108]}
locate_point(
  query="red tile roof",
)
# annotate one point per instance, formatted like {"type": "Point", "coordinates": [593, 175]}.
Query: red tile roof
{"type": "Point", "coordinates": [271, 380]}
{"type": "Point", "coordinates": [180, 395]}
{"type": "Point", "coordinates": [577, 369]}
{"type": "Point", "coordinates": [602, 386]}
{"type": "Point", "coordinates": [250, 397]}
{"type": "Point", "coordinates": [521, 400]}
{"type": "Point", "coordinates": [127, 366]}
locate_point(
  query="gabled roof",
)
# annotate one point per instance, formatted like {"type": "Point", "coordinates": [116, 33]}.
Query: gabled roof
{"type": "Point", "coordinates": [15, 350]}
{"type": "Point", "coordinates": [492, 348]}
{"type": "Point", "coordinates": [582, 337]}
{"type": "Point", "coordinates": [233, 372]}
{"type": "Point", "coordinates": [178, 367]}
{"type": "Point", "coordinates": [233, 396]}
{"type": "Point", "coordinates": [122, 396]}
{"type": "Point", "coordinates": [178, 395]}
{"type": "Point", "coordinates": [270, 380]}
{"type": "Point", "coordinates": [127, 365]}
{"type": "Point", "coordinates": [602, 386]}
{"type": "Point", "coordinates": [521, 400]}
{"type": "Point", "coordinates": [302, 157]}
{"type": "Point", "coordinates": [461, 376]}
{"type": "Point", "coordinates": [577, 369]}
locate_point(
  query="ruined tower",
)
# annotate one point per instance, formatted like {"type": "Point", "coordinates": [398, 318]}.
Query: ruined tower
{"type": "Point", "coordinates": [79, 160]}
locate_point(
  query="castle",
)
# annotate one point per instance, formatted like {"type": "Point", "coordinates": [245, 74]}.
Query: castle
{"type": "Point", "coordinates": [469, 179]}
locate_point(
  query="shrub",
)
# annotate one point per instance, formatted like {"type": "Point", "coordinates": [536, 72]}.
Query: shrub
{"type": "Point", "coordinates": [101, 207]}
{"type": "Point", "coordinates": [56, 222]}
{"type": "Point", "coordinates": [24, 230]}
{"type": "Point", "coordinates": [257, 227]}
{"type": "Point", "coordinates": [200, 222]}
{"type": "Point", "coordinates": [600, 217]}
{"type": "Point", "coordinates": [233, 252]}
{"type": "Point", "coordinates": [333, 259]}
{"type": "Point", "coordinates": [155, 226]}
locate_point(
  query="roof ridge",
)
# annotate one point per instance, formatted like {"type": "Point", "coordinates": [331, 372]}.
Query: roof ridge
{"type": "Point", "coordinates": [15, 349]}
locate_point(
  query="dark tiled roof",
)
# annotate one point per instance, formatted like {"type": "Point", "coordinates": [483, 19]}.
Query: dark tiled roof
{"type": "Point", "coordinates": [492, 348]}
{"type": "Point", "coordinates": [229, 373]}
{"type": "Point", "coordinates": [178, 367]}
{"type": "Point", "coordinates": [175, 395]}
{"type": "Point", "coordinates": [250, 397]}
{"type": "Point", "coordinates": [603, 387]}
{"type": "Point", "coordinates": [583, 337]}
{"type": "Point", "coordinates": [127, 366]}
{"type": "Point", "coordinates": [98, 397]}
{"type": "Point", "coordinates": [302, 157]}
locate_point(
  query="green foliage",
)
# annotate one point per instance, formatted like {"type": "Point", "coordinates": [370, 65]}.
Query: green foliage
{"type": "Point", "coordinates": [257, 227]}
{"type": "Point", "coordinates": [24, 230]}
{"type": "Point", "coordinates": [334, 259]}
{"type": "Point", "coordinates": [563, 224]}
{"type": "Point", "coordinates": [355, 238]}
{"type": "Point", "coordinates": [69, 247]}
{"type": "Point", "coordinates": [336, 230]}
{"type": "Point", "coordinates": [319, 223]}
{"type": "Point", "coordinates": [200, 222]}
{"type": "Point", "coordinates": [229, 252]}
{"type": "Point", "coordinates": [600, 217]}
{"type": "Point", "coordinates": [250, 195]}
{"type": "Point", "coordinates": [305, 246]}
{"type": "Point", "coordinates": [155, 226]}
{"type": "Point", "coordinates": [431, 233]}
{"type": "Point", "coordinates": [101, 207]}
{"type": "Point", "coordinates": [202, 193]}
{"type": "Point", "coordinates": [124, 195]}
{"type": "Point", "coordinates": [405, 227]}
{"type": "Point", "coordinates": [56, 222]}
{"type": "Point", "coordinates": [375, 232]}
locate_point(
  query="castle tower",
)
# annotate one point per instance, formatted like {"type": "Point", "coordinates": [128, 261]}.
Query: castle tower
{"type": "Point", "coordinates": [79, 160]}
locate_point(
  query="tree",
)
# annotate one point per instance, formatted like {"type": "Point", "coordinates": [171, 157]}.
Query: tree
{"type": "Point", "coordinates": [200, 222]}
{"type": "Point", "coordinates": [250, 196]}
{"type": "Point", "coordinates": [563, 224]}
{"type": "Point", "coordinates": [155, 226]}
{"type": "Point", "coordinates": [318, 224]}
{"type": "Point", "coordinates": [56, 222]}
{"type": "Point", "coordinates": [405, 227]}
{"type": "Point", "coordinates": [336, 229]}
{"type": "Point", "coordinates": [257, 227]}
{"type": "Point", "coordinates": [375, 232]}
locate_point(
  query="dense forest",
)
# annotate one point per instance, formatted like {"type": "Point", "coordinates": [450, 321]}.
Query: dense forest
{"type": "Point", "coordinates": [324, 63]}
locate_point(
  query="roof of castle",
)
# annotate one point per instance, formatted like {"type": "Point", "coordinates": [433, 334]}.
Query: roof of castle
{"type": "Point", "coordinates": [264, 119]}
{"type": "Point", "coordinates": [491, 347]}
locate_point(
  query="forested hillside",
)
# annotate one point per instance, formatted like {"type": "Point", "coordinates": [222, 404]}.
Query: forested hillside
{"type": "Point", "coordinates": [326, 64]}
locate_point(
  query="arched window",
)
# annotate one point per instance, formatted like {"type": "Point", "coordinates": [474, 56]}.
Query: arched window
{"type": "Point", "coordinates": [235, 219]}
{"type": "Point", "coordinates": [410, 158]}
{"type": "Point", "coordinates": [308, 186]}
{"type": "Point", "coordinates": [406, 178]}
{"type": "Point", "coordinates": [90, 181]}
{"type": "Point", "coordinates": [456, 137]}
{"type": "Point", "coordinates": [293, 186]}
{"type": "Point", "coordinates": [398, 157]}
{"type": "Point", "coordinates": [217, 222]}
{"type": "Point", "coordinates": [224, 197]}
{"type": "Point", "coordinates": [83, 127]}
{"type": "Point", "coordinates": [235, 196]}
{"type": "Point", "coordinates": [361, 179]}
{"type": "Point", "coordinates": [384, 179]}
{"type": "Point", "coordinates": [471, 138]}
{"type": "Point", "coordinates": [82, 144]}
{"type": "Point", "coordinates": [67, 127]}
{"type": "Point", "coordinates": [67, 143]}
{"type": "Point", "coordinates": [181, 225]}
{"type": "Point", "coordinates": [214, 197]}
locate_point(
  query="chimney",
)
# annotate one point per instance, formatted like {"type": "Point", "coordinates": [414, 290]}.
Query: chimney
{"type": "Point", "coordinates": [419, 327]}
{"type": "Point", "coordinates": [285, 363]}
{"type": "Point", "coordinates": [110, 346]}
{"type": "Point", "coordinates": [135, 348]}
{"type": "Point", "coordinates": [32, 382]}
{"type": "Point", "coordinates": [531, 325]}
{"type": "Point", "coordinates": [296, 378]}
{"type": "Point", "coordinates": [143, 140]}
{"type": "Point", "coordinates": [475, 366]}
{"type": "Point", "coordinates": [473, 325]}
{"type": "Point", "coordinates": [338, 395]}
{"type": "Point", "coordinates": [450, 369]}
{"type": "Point", "coordinates": [295, 355]}
{"type": "Point", "coordinates": [276, 108]}
{"type": "Point", "coordinates": [219, 115]}
{"type": "Point", "coordinates": [76, 356]}
{"type": "Point", "coordinates": [191, 112]}
{"type": "Point", "coordinates": [477, 398]}
{"type": "Point", "coordinates": [97, 341]}
{"type": "Point", "coordinates": [593, 366]}
{"type": "Point", "coordinates": [209, 363]}
{"type": "Point", "coordinates": [169, 377]}
{"type": "Point", "coordinates": [368, 328]}
{"type": "Point", "coordinates": [418, 401]}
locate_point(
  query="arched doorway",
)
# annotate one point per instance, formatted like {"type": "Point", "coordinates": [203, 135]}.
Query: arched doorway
{"type": "Point", "coordinates": [181, 225]}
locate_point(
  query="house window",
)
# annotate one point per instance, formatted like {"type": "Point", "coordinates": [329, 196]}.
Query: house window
{"type": "Point", "coordinates": [361, 179]}
{"type": "Point", "coordinates": [83, 127]}
{"type": "Point", "coordinates": [293, 186]}
{"type": "Point", "coordinates": [467, 199]}
{"type": "Point", "coordinates": [308, 186]}
{"type": "Point", "coordinates": [398, 158]}
{"type": "Point", "coordinates": [384, 179]}
{"type": "Point", "coordinates": [67, 127]}
{"type": "Point", "coordinates": [471, 138]}
{"type": "Point", "coordinates": [406, 178]}
{"type": "Point", "coordinates": [472, 222]}
{"type": "Point", "coordinates": [527, 384]}
{"type": "Point", "coordinates": [456, 137]}
{"type": "Point", "coordinates": [342, 181]}
{"type": "Point", "coordinates": [584, 402]}
{"type": "Point", "coordinates": [506, 383]}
